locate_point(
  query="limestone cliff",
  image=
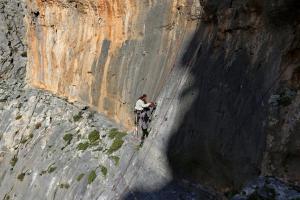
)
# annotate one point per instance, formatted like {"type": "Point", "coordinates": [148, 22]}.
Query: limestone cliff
{"type": "Point", "coordinates": [225, 75]}
{"type": "Point", "coordinates": [105, 53]}
{"type": "Point", "coordinates": [12, 40]}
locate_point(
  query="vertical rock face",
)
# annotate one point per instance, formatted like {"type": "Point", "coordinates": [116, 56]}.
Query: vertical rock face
{"type": "Point", "coordinates": [225, 75]}
{"type": "Point", "coordinates": [104, 53]}
{"type": "Point", "coordinates": [12, 40]}
{"type": "Point", "coordinates": [215, 110]}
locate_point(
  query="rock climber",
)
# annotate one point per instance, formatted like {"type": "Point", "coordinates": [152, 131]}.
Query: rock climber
{"type": "Point", "coordinates": [143, 111]}
{"type": "Point", "coordinates": [141, 106]}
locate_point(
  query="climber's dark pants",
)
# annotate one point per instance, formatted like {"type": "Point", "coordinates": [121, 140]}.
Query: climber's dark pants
{"type": "Point", "coordinates": [145, 134]}
{"type": "Point", "coordinates": [137, 117]}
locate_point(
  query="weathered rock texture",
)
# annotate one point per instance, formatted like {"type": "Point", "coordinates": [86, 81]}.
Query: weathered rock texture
{"type": "Point", "coordinates": [225, 75]}
{"type": "Point", "coordinates": [40, 154]}
{"type": "Point", "coordinates": [40, 134]}
{"type": "Point", "coordinates": [12, 40]}
{"type": "Point", "coordinates": [45, 146]}
{"type": "Point", "coordinates": [105, 53]}
{"type": "Point", "coordinates": [267, 188]}
{"type": "Point", "coordinates": [215, 115]}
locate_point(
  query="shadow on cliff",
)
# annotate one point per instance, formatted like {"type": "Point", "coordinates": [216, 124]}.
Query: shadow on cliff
{"type": "Point", "coordinates": [221, 140]}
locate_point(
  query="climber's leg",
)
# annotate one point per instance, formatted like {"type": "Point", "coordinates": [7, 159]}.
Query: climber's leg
{"type": "Point", "coordinates": [137, 122]}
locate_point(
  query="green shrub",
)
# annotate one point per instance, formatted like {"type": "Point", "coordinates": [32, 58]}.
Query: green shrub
{"type": "Point", "coordinates": [83, 146]}
{"type": "Point", "coordinates": [24, 54]}
{"type": "Point", "coordinates": [21, 176]}
{"type": "Point", "coordinates": [112, 133]}
{"type": "Point", "coordinates": [51, 169]}
{"type": "Point", "coordinates": [117, 136]}
{"type": "Point", "coordinates": [6, 197]}
{"type": "Point", "coordinates": [14, 160]}
{"type": "Point", "coordinates": [79, 177]}
{"type": "Point", "coordinates": [103, 170]}
{"type": "Point", "coordinates": [92, 176]}
{"type": "Point", "coordinates": [77, 117]}
{"type": "Point", "coordinates": [94, 137]}
{"type": "Point", "coordinates": [43, 172]}
{"type": "Point", "coordinates": [116, 159]}
{"type": "Point", "coordinates": [24, 140]}
{"type": "Point", "coordinates": [68, 138]}
{"type": "Point", "coordinates": [116, 145]}
{"type": "Point", "coordinates": [18, 117]}
{"type": "Point", "coordinates": [115, 133]}
{"type": "Point", "coordinates": [94, 144]}
{"type": "Point", "coordinates": [64, 185]}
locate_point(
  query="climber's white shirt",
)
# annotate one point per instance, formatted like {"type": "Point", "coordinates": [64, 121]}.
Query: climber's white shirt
{"type": "Point", "coordinates": [140, 105]}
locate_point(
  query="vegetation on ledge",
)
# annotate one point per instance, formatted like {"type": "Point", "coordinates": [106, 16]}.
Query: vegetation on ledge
{"type": "Point", "coordinates": [14, 160]}
{"type": "Point", "coordinates": [83, 146]}
{"type": "Point", "coordinates": [94, 137]}
{"type": "Point", "coordinates": [116, 159]}
{"type": "Point", "coordinates": [103, 170]}
{"type": "Point", "coordinates": [21, 176]}
{"type": "Point", "coordinates": [92, 176]}
{"type": "Point", "coordinates": [77, 117]}
{"type": "Point", "coordinates": [117, 136]}
{"type": "Point", "coordinates": [68, 138]}
{"type": "Point", "coordinates": [79, 177]}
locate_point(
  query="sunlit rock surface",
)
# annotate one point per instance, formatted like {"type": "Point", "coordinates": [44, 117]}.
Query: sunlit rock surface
{"type": "Point", "coordinates": [105, 53]}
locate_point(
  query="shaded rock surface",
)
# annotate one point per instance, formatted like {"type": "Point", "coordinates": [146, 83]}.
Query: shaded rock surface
{"type": "Point", "coordinates": [213, 118]}
{"type": "Point", "coordinates": [268, 188]}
